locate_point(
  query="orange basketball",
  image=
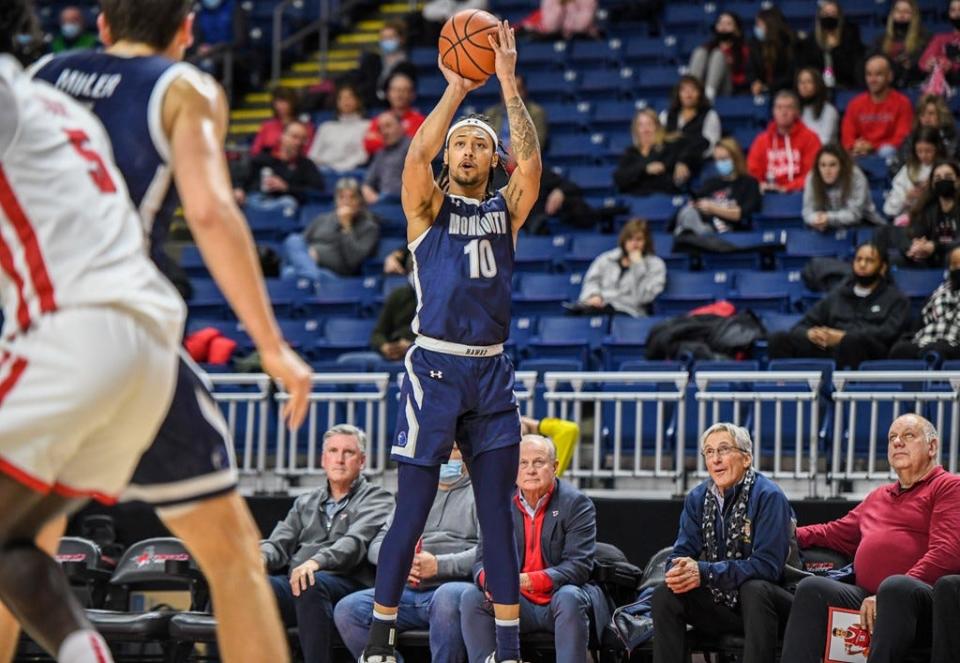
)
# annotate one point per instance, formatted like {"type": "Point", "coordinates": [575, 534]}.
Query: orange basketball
{"type": "Point", "coordinates": [464, 47]}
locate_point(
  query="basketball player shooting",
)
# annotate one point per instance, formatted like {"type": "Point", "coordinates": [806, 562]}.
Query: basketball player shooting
{"type": "Point", "coordinates": [459, 384]}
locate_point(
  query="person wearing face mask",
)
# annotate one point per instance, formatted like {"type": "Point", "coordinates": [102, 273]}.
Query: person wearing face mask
{"type": "Point", "coordinates": [833, 48]}
{"type": "Point", "coordinates": [73, 34]}
{"type": "Point", "coordinates": [720, 63]}
{"type": "Point", "coordinates": [440, 573]}
{"type": "Point", "coordinates": [940, 330]}
{"type": "Point", "coordinates": [837, 194]}
{"type": "Point", "coordinates": [944, 48]}
{"type": "Point", "coordinates": [772, 61]}
{"type": "Point", "coordinates": [903, 41]}
{"type": "Point", "coordinates": [858, 320]}
{"type": "Point", "coordinates": [725, 202]}
{"type": "Point", "coordinates": [378, 67]}
{"type": "Point", "coordinates": [935, 221]}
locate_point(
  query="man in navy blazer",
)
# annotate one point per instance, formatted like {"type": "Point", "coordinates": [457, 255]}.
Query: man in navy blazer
{"type": "Point", "coordinates": [556, 531]}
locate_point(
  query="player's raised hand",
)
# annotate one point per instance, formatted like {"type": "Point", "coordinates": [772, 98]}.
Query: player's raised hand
{"type": "Point", "coordinates": [457, 81]}
{"type": "Point", "coordinates": [287, 367]}
{"type": "Point", "coordinates": [505, 50]}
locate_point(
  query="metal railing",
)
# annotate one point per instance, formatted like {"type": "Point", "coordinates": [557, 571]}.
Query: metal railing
{"type": "Point", "coordinates": [320, 27]}
{"type": "Point", "coordinates": [637, 428]}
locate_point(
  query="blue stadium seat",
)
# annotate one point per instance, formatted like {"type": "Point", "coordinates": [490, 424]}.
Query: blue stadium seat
{"type": "Point", "coordinates": [614, 114]}
{"type": "Point", "coordinates": [609, 83]}
{"type": "Point", "coordinates": [542, 56]}
{"type": "Point", "coordinates": [568, 337]}
{"type": "Point", "coordinates": [192, 262]}
{"type": "Point", "coordinates": [345, 296]}
{"type": "Point", "coordinates": [287, 295]}
{"type": "Point", "coordinates": [552, 84]}
{"type": "Point", "coordinates": [390, 283]}
{"type": "Point", "coordinates": [767, 291]}
{"type": "Point", "coordinates": [740, 112]}
{"type": "Point", "coordinates": [627, 340]}
{"type": "Point", "coordinates": [589, 53]}
{"type": "Point", "coordinates": [541, 366]}
{"type": "Point", "coordinates": [648, 411]}
{"type": "Point", "coordinates": [566, 114]}
{"type": "Point", "coordinates": [805, 244]}
{"type": "Point", "coordinates": [207, 300]}
{"type": "Point", "coordinates": [539, 254]}
{"type": "Point", "coordinates": [918, 283]}
{"type": "Point", "coordinates": [542, 294]}
{"type": "Point", "coordinates": [657, 208]}
{"type": "Point", "coordinates": [521, 329]}
{"type": "Point", "coordinates": [688, 290]}
{"type": "Point", "coordinates": [779, 207]}
{"type": "Point", "coordinates": [650, 50]}
{"type": "Point", "coordinates": [302, 335]}
{"type": "Point", "coordinates": [875, 168]}
{"type": "Point", "coordinates": [271, 224]}
{"type": "Point", "coordinates": [680, 18]}
{"type": "Point", "coordinates": [342, 335]}
{"type": "Point", "coordinates": [577, 148]}
{"type": "Point", "coordinates": [592, 178]}
{"type": "Point", "coordinates": [776, 322]}
{"type": "Point", "coordinates": [657, 79]}
{"type": "Point", "coordinates": [585, 248]}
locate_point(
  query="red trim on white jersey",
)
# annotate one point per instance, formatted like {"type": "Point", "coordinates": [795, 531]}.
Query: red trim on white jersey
{"type": "Point", "coordinates": [28, 480]}
{"type": "Point", "coordinates": [6, 264]}
{"type": "Point", "coordinates": [97, 646]}
{"type": "Point", "coordinates": [42, 284]}
{"type": "Point", "coordinates": [16, 370]}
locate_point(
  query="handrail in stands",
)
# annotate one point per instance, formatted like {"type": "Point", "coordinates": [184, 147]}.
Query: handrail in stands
{"type": "Point", "coordinates": [320, 26]}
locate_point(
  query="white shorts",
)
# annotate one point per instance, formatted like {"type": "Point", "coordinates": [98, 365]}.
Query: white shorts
{"type": "Point", "coordinates": [82, 395]}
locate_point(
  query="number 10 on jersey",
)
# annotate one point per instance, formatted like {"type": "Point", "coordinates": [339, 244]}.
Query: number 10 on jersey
{"type": "Point", "coordinates": [482, 261]}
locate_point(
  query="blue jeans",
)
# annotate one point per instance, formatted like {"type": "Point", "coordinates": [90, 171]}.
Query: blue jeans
{"type": "Point", "coordinates": [312, 611]}
{"type": "Point", "coordinates": [435, 609]}
{"type": "Point", "coordinates": [299, 264]}
{"type": "Point", "coordinates": [567, 616]}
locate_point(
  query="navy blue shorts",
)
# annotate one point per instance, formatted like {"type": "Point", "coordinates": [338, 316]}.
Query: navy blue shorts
{"type": "Point", "coordinates": [192, 456]}
{"type": "Point", "coordinates": [447, 398]}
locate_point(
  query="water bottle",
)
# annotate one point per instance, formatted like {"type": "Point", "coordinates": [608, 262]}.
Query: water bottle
{"type": "Point", "coordinates": [265, 173]}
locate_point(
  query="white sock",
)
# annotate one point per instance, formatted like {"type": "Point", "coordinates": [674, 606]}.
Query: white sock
{"type": "Point", "coordinates": [84, 647]}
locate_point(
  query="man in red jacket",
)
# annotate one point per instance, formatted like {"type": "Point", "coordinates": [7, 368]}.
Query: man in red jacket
{"type": "Point", "coordinates": [783, 154]}
{"type": "Point", "coordinates": [876, 121]}
{"type": "Point", "coordinates": [903, 537]}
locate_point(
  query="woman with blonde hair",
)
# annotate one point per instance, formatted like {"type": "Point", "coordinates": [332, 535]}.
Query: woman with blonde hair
{"type": "Point", "coordinates": [649, 165]}
{"type": "Point", "coordinates": [904, 41]}
{"type": "Point", "coordinates": [725, 202]}
{"type": "Point", "coordinates": [930, 112]}
{"type": "Point", "coordinates": [625, 279]}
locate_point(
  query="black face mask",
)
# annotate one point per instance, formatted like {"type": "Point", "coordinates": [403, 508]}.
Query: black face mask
{"type": "Point", "coordinates": [955, 278]}
{"type": "Point", "coordinates": [955, 22]}
{"type": "Point", "coordinates": [865, 280]}
{"type": "Point", "coordinates": [945, 188]}
{"type": "Point", "coordinates": [900, 28]}
{"type": "Point", "coordinates": [829, 22]}
{"type": "Point", "coordinates": [724, 36]}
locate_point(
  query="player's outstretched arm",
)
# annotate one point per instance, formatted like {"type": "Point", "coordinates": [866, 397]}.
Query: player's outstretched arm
{"type": "Point", "coordinates": [420, 195]}
{"type": "Point", "coordinates": [195, 119]}
{"type": "Point", "coordinates": [524, 186]}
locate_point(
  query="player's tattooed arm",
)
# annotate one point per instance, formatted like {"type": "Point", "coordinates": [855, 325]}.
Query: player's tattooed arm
{"type": "Point", "coordinates": [523, 134]}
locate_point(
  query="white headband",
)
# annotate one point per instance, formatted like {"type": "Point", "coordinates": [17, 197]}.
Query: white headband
{"type": "Point", "coordinates": [479, 124]}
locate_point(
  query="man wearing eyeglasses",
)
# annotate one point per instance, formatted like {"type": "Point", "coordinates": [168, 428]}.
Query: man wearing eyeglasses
{"type": "Point", "coordinates": [903, 537]}
{"type": "Point", "coordinates": [555, 528]}
{"type": "Point", "coordinates": [725, 575]}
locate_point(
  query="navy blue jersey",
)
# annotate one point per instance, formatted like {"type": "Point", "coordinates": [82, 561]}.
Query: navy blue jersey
{"type": "Point", "coordinates": [126, 93]}
{"type": "Point", "coordinates": [462, 269]}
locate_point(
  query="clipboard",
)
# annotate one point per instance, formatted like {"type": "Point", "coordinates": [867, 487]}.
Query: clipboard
{"type": "Point", "coordinates": [847, 641]}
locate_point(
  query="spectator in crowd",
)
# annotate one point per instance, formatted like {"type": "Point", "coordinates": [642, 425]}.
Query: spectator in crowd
{"type": "Point", "coordinates": [392, 336]}
{"type": "Point", "coordinates": [440, 574]}
{"type": "Point", "coordinates": [284, 177]}
{"type": "Point", "coordinates": [217, 28]}
{"type": "Point", "coordinates": [772, 61]}
{"type": "Point", "coordinates": [940, 324]}
{"type": "Point", "coordinates": [903, 537]}
{"type": "Point", "coordinates": [837, 194]}
{"type": "Point", "coordinates": [556, 529]}
{"type": "Point", "coordinates": [935, 220]}
{"type": "Point", "coordinates": [568, 18]}
{"type": "Point", "coordinates": [73, 35]}
{"type": "Point", "coordinates": [436, 12]}
{"type": "Point", "coordinates": [944, 49]}
{"type": "Point", "coordinates": [781, 156]}
{"type": "Point", "coordinates": [386, 167]}
{"type": "Point", "coordinates": [323, 540]}
{"type": "Point", "coordinates": [376, 69]}
{"type": "Point", "coordinates": [285, 110]}
{"type": "Point", "coordinates": [401, 93]}
{"type": "Point", "coordinates": [724, 202]}
{"type": "Point", "coordinates": [736, 534]}
{"type": "Point", "coordinates": [562, 199]}
{"type": "Point", "coordinates": [833, 49]}
{"type": "Point", "coordinates": [497, 115]}
{"type": "Point", "coordinates": [649, 165]}
{"type": "Point", "coordinates": [876, 121]}
{"type": "Point", "coordinates": [338, 144]}
{"type": "Point", "coordinates": [903, 41]}
{"type": "Point", "coordinates": [721, 63]}
{"type": "Point", "coordinates": [625, 279]}
{"type": "Point", "coordinates": [336, 243]}
{"type": "Point", "coordinates": [932, 112]}
{"type": "Point", "coordinates": [691, 122]}
{"type": "Point", "coordinates": [858, 320]}
{"type": "Point", "coordinates": [819, 115]}
{"type": "Point", "coordinates": [911, 180]}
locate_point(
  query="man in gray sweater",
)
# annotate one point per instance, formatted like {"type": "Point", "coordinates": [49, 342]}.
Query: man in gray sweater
{"type": "Point", "coordinates": [439, 575]}
{"type": "Point", "coordinates": [337, 242]}
{"type": "Point", "coordinates": [323, 540]}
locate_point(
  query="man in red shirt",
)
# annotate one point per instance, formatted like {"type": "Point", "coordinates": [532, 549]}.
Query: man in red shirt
{"type": "Point", "coordinates": [556, 532]}
{"type": "Point", "coordinates": [783, 154]}
{"type": "Point", "coordinates": [876, 121]}
{"type": "Point", "coordinates": [401, 93]}
{"type": "Point", "coordinates": [903, 537]}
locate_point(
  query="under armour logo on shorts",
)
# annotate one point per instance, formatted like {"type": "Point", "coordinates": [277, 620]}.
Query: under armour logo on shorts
{"type": "Point", "coordinates": [436, 374]}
